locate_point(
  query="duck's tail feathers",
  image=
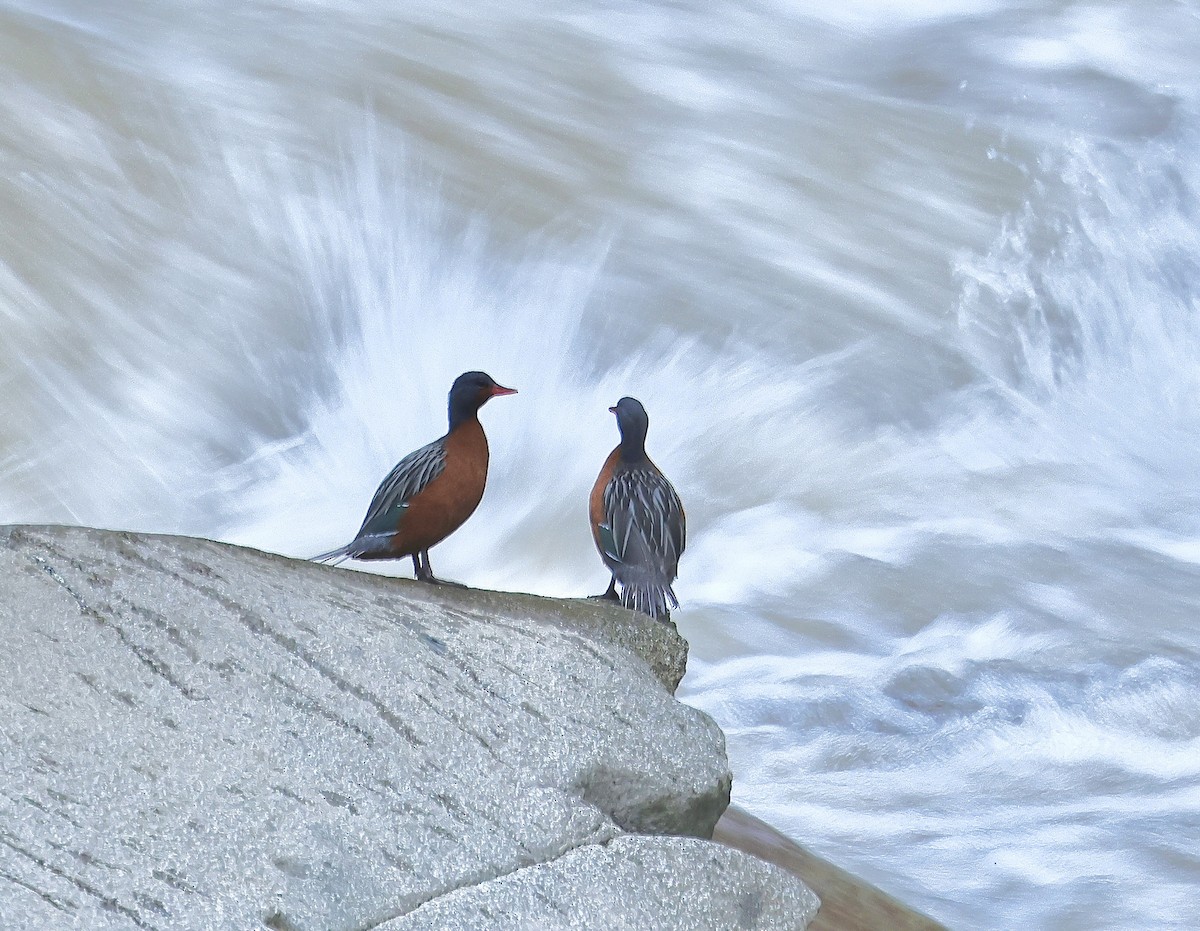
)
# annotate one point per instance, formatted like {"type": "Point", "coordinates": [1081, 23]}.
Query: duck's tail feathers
{"type": "Point", "coordinates": [335, 557]}
{"type": "Point", "coordinates": [364, 546]}
{"type": "Point", "coordinates": [655, 600]}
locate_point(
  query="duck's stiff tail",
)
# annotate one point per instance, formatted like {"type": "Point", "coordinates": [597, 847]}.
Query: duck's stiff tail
{"type": "Point", "coordinates": [335, 557]}
{"type": "Point", "coordinates": [655, 600]}
{"type": "Point", "coordinates": [364, 546]}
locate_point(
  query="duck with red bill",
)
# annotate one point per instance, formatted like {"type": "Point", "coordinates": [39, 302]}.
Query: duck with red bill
{"type": "Point", "coordinates": [431, 492]}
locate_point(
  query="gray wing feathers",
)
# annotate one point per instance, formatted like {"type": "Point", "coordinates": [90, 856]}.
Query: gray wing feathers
{"type": "Point", "coordinates": [404, 482]}
{"type": "Point", "coordinates": [644, 538]}
{"type": "Point", "coordinates": [407, 478]}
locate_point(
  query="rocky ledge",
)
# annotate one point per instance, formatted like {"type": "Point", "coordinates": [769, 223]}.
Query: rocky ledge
{"type": "Point", "coordinates": [197, 736]}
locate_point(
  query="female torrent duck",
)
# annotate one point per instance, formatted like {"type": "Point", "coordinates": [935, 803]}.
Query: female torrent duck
{"type": "Point", "coordinates": [430, 492]}
{"type": "Point", "coordinates": [637, 520]}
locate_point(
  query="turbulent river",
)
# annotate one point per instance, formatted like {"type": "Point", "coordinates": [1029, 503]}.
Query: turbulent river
{"type": "Point", "coordinates": [909, 289]}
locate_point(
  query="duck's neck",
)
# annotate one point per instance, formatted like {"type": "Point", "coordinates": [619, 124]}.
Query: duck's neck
{"type": "Point", "coordinates": [463, 413]}
{"type": "Point", "coordinates": [633, 448]}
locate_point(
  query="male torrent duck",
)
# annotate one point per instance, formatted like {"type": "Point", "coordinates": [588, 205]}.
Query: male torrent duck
{"type": "Point", "coordinates": [637, 520]}
{"type": "Point", "coordinates": [430, 492]}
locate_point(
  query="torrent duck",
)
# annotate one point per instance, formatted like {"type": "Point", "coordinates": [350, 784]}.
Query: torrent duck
{"type": "Point", "coordinates": [637, 520]}
{"type": "Point", "coordinates": [430, 492]}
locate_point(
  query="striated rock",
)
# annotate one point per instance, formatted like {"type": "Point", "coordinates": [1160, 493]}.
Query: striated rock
{"type": "Point", "coordinates": [601, 888]}
{"type": "Point", "coordinates": [197, 736]}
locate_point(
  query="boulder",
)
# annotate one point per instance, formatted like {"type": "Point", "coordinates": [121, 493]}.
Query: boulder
{"type": "Point", "coordinates": [198, 736]}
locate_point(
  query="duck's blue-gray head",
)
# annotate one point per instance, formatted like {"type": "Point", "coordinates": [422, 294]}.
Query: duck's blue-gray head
{"type": "Point", "coordinates": [633, 423]}
{"type": "Point", "coordinates": [470, 391]}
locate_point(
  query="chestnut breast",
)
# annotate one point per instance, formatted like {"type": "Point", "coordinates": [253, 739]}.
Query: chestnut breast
{"type": "Point", "coordinates": [596, 501]}
{"type": "Point", "coordinates": [442, 506]}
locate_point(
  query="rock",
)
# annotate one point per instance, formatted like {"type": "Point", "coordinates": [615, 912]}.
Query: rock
{"type": "Point", "coordinates": [197, 736]}
{"type": "Point", "coordinates": [847, 902]}
{"type": "Point", "coordinates": [603, 887]}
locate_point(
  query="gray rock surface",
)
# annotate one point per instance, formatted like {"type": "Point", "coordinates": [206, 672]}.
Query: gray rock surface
{"type": "Point", "coordinates": [196, 736]}
{"type": "Point", "coordinates": [603, 888]}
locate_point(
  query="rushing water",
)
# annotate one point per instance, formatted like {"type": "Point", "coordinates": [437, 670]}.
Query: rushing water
{"type": "Point", "coordinates": [909, 290]}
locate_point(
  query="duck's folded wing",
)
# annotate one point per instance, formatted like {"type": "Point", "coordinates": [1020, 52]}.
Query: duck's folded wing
{"type": "Point", "coordinates": [406, 480]}
{"type": "Point", "coordinates": [646, 527]}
